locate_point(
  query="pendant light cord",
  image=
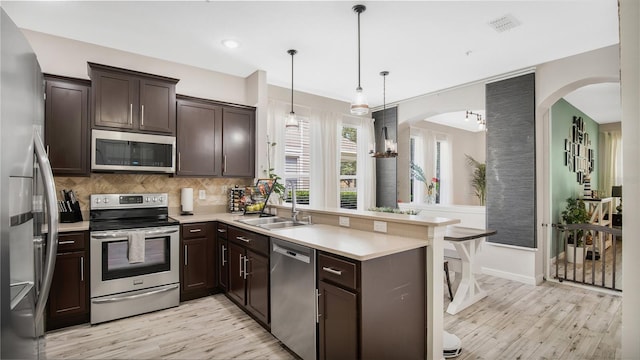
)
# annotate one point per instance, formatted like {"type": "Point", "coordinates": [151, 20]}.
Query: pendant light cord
{"type": "Point", "coordinates": [292, 53]}
{"type": "Point", "coordinates": [359, 87]}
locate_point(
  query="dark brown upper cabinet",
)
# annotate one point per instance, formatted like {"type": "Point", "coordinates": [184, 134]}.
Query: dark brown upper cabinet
{"type": "Point", "coordinates": [238, 142]}
{"type": "Point", "coordinates": [215, 138]}
{"type": "Point", "coordinates": [66, 128]}
{"type": "Point", "coordinates": [132, 101]}
{"type": "Point", "coordinates": [199, 138]}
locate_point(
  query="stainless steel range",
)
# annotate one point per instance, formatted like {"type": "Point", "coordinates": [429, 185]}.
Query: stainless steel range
{"type": "Point", "coordinates": [134, 255]}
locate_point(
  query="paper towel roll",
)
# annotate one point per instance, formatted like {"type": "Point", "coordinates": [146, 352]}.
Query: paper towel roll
{"type": "Point", "coordinates": [186, 201]}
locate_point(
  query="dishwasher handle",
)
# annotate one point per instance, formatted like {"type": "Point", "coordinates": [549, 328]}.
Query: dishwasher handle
{"type": "Point", "coordinates": [292, 254]}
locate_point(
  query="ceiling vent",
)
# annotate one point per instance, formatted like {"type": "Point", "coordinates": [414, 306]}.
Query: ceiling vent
{"type": "Point", "coordinates": [504, 23]}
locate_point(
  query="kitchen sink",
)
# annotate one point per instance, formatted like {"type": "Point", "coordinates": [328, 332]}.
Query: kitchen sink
{"type": "Point", "coordinates": [264, 220]}
{"type": "Point", "coordinates": [281, 225]}
{"type": "Point", "coordinates": [272, 222]}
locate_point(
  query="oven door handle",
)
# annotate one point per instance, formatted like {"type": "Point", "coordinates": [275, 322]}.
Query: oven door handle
{"type": "Point", "coordinates": [110, 236]}
{"type": "Point", "coordinates": [160, 232]}
{"type": "Point", "coordinates": [136, 296]}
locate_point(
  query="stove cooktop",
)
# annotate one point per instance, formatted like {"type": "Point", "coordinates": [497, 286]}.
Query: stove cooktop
{"type": "Point", "coordinates": [122, 224]}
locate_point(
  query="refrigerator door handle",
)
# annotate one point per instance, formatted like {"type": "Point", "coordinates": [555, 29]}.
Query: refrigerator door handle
{"type": "Point", "coordinates": [52, 224]}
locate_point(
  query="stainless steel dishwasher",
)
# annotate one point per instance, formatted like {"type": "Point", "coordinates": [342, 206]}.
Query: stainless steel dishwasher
{"type": "Point", "coordinates": [293, 297]}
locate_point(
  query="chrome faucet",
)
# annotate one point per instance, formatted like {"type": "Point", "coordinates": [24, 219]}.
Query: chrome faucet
{"type": "Point", "coordinates": [294, 211]}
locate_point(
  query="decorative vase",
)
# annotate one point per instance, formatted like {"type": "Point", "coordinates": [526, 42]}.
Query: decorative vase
{"type": "Point", "coordinates": [430, 199]}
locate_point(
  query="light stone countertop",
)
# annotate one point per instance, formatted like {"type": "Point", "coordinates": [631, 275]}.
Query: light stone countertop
{"type": "Point", "coordinates": [69, 227]}
{"type": "Point", "coordinates": [354, 244]}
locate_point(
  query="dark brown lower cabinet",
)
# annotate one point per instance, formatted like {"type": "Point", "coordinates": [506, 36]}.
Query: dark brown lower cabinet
{"type": "Point", "coordinates": [198, 261]}
{"type": "Point", "coordinates": [338, 322]}
{"type": "Point", "coordinates": [249, 273]}
{"type": "Point", "coordinates": [222, 245]}
{"type": "Point", "coordinates": [68, 302]}
{"type": "Point", "coordinates": [373, 309]}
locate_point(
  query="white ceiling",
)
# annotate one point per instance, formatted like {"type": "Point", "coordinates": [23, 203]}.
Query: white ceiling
{"type": "Point", "coordinates": [425, 45]}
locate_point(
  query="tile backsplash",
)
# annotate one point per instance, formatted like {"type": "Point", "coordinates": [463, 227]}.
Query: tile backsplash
{"type": "Point", "coordinates": [215, 188]}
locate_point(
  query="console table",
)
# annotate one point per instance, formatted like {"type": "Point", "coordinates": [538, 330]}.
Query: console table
{"type": "Point", "coordinates": [467, 243]}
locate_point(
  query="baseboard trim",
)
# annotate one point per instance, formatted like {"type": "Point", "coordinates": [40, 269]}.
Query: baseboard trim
{"type": "Point", "coordinates": [530, 280]}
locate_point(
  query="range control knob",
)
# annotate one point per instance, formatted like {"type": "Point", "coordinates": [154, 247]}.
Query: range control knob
{"type": "Point", "coordinates": [98, 200]}
{"type": "Point", "coordinates": [106, 200]}
{"type": "Point", "coordinates": [155, 199]}
{"type": "Point", "coordinates": [148, 199]}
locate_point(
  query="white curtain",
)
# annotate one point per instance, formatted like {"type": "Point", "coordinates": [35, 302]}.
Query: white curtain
{"type": "Point", "coordinates": [419, 190]}
{"type": "Point", "coordinates": [446, 179]}
{"type": "Point", "coordinates": [276, 134]}
{"type": "Point", "coordinates": [367, 197]}
{"type": "Point", "coordinates": [610, 163]}
{"type": "Point", "coordinates": [325, 159]}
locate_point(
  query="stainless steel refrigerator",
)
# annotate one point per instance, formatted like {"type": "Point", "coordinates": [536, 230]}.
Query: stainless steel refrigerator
{"type": "Point", "coordinates": [27, 200]}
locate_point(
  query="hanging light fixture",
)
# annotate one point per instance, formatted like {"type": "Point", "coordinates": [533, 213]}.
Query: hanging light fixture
{"type": "Point", "coordinates": [390, 145]}
{"type": "Point", "coordinates": [291, 121]}
{"type": "Point", "coordinates": [359, 105]}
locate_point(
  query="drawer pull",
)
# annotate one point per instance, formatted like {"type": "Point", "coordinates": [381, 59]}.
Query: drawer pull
{"type": "Point", "coordinates": [332, 271]}
{"type": "Point", "coordinates": [67, 242]}
{"type": "Point", "coordinates": [195, 230]}
{"type": "Point", "coordinates": [242, 238]}
{"type": "Point", "coordinates": [222, 230]}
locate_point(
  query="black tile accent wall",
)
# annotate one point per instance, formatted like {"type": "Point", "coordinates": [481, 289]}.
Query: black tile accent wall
{"type": "Point", "coordinates": [386, 169]}
{"type": "Point", "coordinates": [511, 172]}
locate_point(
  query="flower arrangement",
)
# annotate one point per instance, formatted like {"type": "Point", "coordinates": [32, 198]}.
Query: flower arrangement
{"type": "Point", "coordinates": [433, 186]}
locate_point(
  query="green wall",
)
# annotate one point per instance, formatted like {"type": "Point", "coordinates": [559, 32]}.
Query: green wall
{"type": "Point", "coordinates": [564, 183]}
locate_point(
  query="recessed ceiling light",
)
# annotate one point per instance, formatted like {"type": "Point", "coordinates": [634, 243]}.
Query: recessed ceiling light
{"type": "Point", "coordinates": [231, 44]}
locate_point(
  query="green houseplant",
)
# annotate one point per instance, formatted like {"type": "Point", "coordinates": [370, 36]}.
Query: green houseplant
{"type": "Point", "coordinates": [478, 178]}
{"type": "Point", "coordinates": [279, 187]}
{"type": "Point", "coordinates": [575, 213]}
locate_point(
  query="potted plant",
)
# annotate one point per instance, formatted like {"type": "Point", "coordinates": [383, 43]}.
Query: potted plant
{"type": "Point", "coordinates": [575, 213]}
{"type": "Point", "coordinates": [478, 178]}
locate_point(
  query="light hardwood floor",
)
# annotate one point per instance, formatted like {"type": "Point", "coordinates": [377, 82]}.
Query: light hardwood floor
{"type": "Point", "coordinates": [515, 321]}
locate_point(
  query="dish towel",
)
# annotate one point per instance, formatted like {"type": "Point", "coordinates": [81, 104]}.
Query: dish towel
{"type": "Point", "coordinates": [136, 247]}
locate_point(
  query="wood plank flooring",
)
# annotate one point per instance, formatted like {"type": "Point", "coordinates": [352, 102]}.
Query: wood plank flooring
{"type": "Point", "coordinates": [515, 321]}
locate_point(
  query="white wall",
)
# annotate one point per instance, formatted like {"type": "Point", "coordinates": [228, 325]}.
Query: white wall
{"type": "Point", "coordinates": [630, 88]}
{"type": "Point", "coordinates": [66, 57]}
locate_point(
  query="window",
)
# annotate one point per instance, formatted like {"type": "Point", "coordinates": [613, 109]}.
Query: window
{"type": "Point", "coordinates": [297, 161]}
{"type": "Point", "coordinates": [432, 152]}
{"type": "Point", "coordinates": [349, 167]}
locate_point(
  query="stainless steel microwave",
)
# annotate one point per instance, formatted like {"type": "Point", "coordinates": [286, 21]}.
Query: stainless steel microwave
{"type": "Point", "coordinates": [123, 151]}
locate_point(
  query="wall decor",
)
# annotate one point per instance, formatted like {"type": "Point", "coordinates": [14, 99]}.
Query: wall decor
{"type": "Point", "coordinates": [579, 157]}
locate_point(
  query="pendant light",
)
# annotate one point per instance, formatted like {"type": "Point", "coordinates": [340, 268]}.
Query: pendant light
{"type": "Point", "coordinates": [390, 145]}
{"type": "Point", "coordinates": [359, 105]}
{"type": "Point", "coordinates": [291, 121]}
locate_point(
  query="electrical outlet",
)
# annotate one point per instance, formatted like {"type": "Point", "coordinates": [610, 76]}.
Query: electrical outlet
{"type": "Point", "coordinates": [202, 195]}
{"type": "Point", "coordinates": [344, 221]}
{"type": "Point", "coordinates": [380, 226]}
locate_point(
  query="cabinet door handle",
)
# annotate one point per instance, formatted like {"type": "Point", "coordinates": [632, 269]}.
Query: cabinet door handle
{"type": "Point", "coordinates": [318, 306]}
{"type": "Point", "coordinates": [332, 271]}
{"type": "Point", "coordinates": [224, 169]}
{"type": "Point", "coordinates": [142, 115]}
{"type": "Point", "coordinates": [246, 260]}
{"type": "Point", "coordinates": [179, 162]}
{"type": "Point", "coordinates": [240, 267]}
{"type": "Point", "coordinates": [195, 230]}
{"type": "Point", "coordinates": [130, 114]}
{"type": "Point", "coordinates": [242, 238]}
{"type": "Point", "coordinates": [82, 268]}
{"type": "Point", "coordinates": [222, 230]}
{"type": "Point", "coordinates": [47, 150]}
{"type": "Point", "coordinates": [66, 242]}
{"type": "Point", "coordinates": [186, 258]}
{"type": "Point", "coordinates": [224, 249]}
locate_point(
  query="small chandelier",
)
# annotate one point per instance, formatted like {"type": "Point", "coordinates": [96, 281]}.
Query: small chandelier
{"type": "Point", "coordinates": [482, 123]}
{"type": "Point", "coordinates": [390, 146]}
{"type": "Point", "coordinates": [359, 105]}
{"type": "Point", "coordinates": [291, 121]}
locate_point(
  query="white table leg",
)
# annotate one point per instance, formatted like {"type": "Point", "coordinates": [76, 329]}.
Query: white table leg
{"type": "Point", "coordinates": [468, 292]}
{"type": "Point", "coordinates": [435, 293]}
